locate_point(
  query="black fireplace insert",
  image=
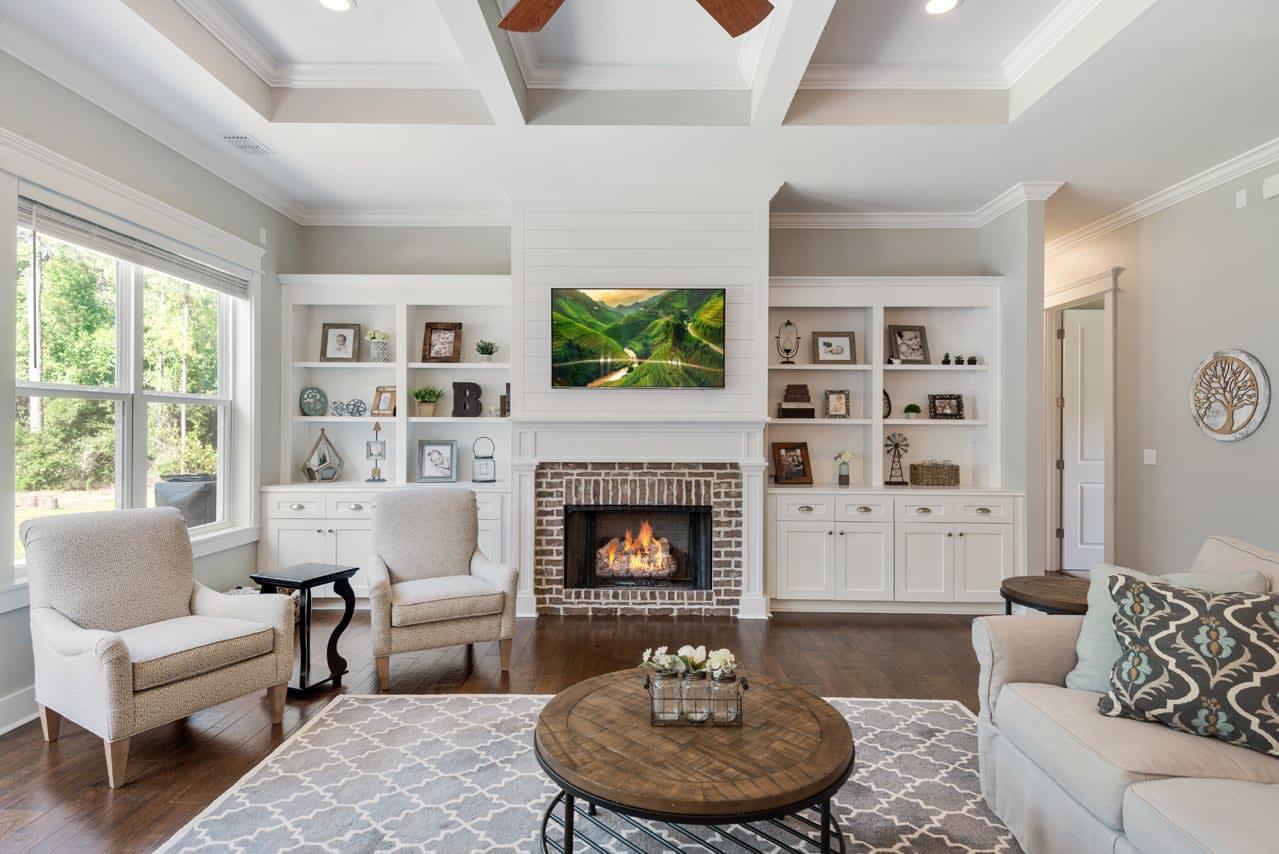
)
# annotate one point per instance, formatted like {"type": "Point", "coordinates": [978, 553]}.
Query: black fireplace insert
{"type": "Point", "coordinates": [637, 546]}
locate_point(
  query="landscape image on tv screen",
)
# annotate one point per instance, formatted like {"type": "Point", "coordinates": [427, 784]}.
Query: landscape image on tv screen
{"type": "Point", "coordinates": [637, 338]}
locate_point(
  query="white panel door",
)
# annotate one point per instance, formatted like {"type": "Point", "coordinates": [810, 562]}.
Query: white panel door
{"type": "Point", "coordinates": [301, 542]}
{"type": "Point", "coordinates": [353, 546]}
{"type": "Point", "coordinates": [864, 561]}
{"type": "Point", "coordinates": [983, 558]}
{"type": "Point", "coordinates": [924, 562]}
{"type": "Point", "coordinates": [1083, 439]}
{"type": "Point", "coordinates": [805, 560]}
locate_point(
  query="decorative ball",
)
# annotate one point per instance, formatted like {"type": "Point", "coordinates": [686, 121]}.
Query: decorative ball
{"type": "Point", "coordinates": [356, 408]}
{"type": "Point", "coordinates": [337, 407]}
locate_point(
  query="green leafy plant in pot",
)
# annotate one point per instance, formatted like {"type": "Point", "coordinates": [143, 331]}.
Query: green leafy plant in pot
{"type": "Point", "coordinates": [426, 397]}
{"type": "Point", "coordinates": [486, 349]}
{"type": "Point", "coordinates": [912, 411]}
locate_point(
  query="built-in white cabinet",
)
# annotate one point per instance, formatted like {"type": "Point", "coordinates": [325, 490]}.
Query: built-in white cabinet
{"type": "Point", "coordinates": [924, 546]}
{"type": "Point", "coordinates": [325, 523]}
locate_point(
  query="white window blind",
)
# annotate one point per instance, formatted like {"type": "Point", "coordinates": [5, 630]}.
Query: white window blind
{"type": "Point", "coordinates": [43, 219]}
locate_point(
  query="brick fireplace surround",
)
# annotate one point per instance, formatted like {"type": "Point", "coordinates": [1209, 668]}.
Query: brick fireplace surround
{"type": "Point", "coordinates": [717, 485]}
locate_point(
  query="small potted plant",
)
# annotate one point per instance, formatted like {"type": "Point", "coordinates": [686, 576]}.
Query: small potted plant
{"type": "Point", "coordinates": [959, 360]}
{"type": "Point", "coordinates": [379, 345]}
{"type": "Point", "coordinates": [426, 397]}
{"type": "Point", "coordinates": [912, 411]}
{"type": "Point", "coordinates": [843, 458]}
{"type": "Point", "coordinates": [945, 360]}
{"type": "Point", "coordinates": [486, 349]}
{"type": "Point", "coordinates": [972, 360]}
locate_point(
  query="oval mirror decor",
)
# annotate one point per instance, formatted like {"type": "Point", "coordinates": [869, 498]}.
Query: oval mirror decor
{"type": "Point", "coordinates": [1230, 395]}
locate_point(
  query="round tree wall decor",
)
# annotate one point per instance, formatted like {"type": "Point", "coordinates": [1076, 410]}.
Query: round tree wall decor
{"type": "Point", "coordinates": [1230, 395]}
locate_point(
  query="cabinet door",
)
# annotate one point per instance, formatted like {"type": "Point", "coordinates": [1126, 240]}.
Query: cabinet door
{"type": "Point", "coordinates": [490, 541]}
{"type": "Point", "coordinates": [983, 558]}
{"type": "Point", "coordinates": [301, 542]}
{"type": "Point", "coordinates": [805, 560]}
{"type": "Point", "coordinates": [864, 561]}
{"type": "Point", "coordinates": [353, 546]}
{"type": "Point", "coordinates": [924, 562]}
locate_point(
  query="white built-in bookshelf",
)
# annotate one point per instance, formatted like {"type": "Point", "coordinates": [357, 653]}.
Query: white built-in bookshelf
{"type": "Point", "coordinates": [400, 305]}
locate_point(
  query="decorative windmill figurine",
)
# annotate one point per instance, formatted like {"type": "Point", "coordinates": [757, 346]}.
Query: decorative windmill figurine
{"type": "Point", "coordinates": [896, 445]}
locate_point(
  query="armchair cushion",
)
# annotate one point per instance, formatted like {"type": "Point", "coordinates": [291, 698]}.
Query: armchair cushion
{"type": "Point", "coordinates": [172, 650]}
{"type": "Point", "coordinates": [452, 597]}
{"type": "Point", "coordinates": [112, 570]}
{"type": "Point", "coordinates": [426, 533]}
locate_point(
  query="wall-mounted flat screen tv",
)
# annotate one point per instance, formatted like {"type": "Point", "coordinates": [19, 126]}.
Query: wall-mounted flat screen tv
{"type": "Point", "coordinates": [637, 338]}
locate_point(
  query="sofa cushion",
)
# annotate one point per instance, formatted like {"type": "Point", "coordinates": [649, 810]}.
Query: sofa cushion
{"type": "Point", "coordinates": [1194, 816]}
{"type": "Point", "coordinates": [1095, 758]}
{"type": "Point", "coordinates": [1202, 663]}
{"type": "Point", "coordinates": [1226, 554]}
{"type": "Point", "coordinates": [1098, 648]}
{"type": "Point", "coordinates": [451, 597]}
{"type": "Point", "coordinates": [172, 650]}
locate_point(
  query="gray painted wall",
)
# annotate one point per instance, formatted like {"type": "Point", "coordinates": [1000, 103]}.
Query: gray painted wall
{"type": "Point", "coordinates": [475, 250]}
{"type": "Point", "coordinates": [878, 252]}
{"type": "Point", "coordinates": [1199, 276]}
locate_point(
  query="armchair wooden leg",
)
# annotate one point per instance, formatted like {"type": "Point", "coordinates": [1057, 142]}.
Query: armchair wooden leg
{"type": "Point", "coordinates": [117, 761]}
{"type": "Point", "coordinates": [383, 663]}
{"type": "Point", "coordinates": [276, 694]}
{"type": "Point", "coordinates": [504, 647]}
{"type": "Point", "coordinates": [50, 723]}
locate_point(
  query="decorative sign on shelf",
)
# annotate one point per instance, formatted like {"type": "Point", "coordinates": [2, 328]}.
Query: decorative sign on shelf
{"type": "Point", "coordinates": [466, 400]}
{"type": "Point", "coordinates": [1230, 395]}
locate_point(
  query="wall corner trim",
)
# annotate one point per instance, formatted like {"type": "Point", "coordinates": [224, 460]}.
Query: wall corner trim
{"type": "Point", "coordinates": [17, 708]}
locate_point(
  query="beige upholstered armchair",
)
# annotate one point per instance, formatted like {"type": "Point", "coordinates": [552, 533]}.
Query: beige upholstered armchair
{"type": "Point", "coordinates": [124, 637]}
{"type": "Point", "coordinates": [429, 584]}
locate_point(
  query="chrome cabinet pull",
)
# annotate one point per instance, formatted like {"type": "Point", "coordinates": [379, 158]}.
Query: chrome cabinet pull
{"type": "Point", "coordinates": [297, 506]}
{"type": "Point", "coordinates": [357, 507]}
{"type": "Point", "coordinates": [318, 531]}
{"type": "Point", "coordinates": [961, 533]}
{"type": "Point", "coordinates": [805, 508]}
{"type": "Point", "coordinates": [984, 511]}
{"type": "Point", "coordinates": [924, 510]}
{"type": "Point", "coordinates": [950, 533]}
{"type": "Point", "coordinates": [863, 509]}
{"type": "Point", "coordinates": [841, 533]}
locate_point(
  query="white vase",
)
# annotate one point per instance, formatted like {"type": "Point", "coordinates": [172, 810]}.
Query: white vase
{"type": "Point", "coordinates": [380, 350]}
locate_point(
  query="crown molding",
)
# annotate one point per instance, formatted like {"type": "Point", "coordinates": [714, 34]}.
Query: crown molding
{"type": "Point", "coordinates": [223, 26]}
{"type": "Point", "coordinates": [1046, 35]}
{"type": "Point", "coordinates": [899, 78]}
{"type": "Point", "coordinates": [402, 217]}
{"type": "Point", "coordinates": [1010, 199]}
{"type": "Point", "coordinates": [1260, 157]}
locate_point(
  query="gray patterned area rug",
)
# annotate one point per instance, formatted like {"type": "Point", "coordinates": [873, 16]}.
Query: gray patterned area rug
{"type": "Point", "coordinates": [456, 773]}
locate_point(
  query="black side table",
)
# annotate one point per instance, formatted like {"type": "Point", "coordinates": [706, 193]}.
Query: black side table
{"type": "Point", "coordinates": [306, 577]}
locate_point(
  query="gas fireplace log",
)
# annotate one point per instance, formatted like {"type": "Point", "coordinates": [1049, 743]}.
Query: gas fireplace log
{"type": "Point", "coordinates": [632, 560]}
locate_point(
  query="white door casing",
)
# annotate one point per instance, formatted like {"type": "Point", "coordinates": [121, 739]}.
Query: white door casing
{"type": "Point", "coordinates": [1083, 432]}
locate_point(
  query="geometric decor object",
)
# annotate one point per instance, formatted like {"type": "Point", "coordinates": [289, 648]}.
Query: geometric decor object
{"type": "Point", "coordinates": [1230, 395]}
{"type": "Point", "coordinates": [322, 462]}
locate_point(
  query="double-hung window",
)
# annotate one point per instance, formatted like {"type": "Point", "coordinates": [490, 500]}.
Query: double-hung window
{"type": "Point", "coordinates": [124, 374]}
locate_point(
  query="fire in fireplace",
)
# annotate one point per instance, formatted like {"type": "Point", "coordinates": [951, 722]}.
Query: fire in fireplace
{"type": "Point", "coordinates": [637, 546]}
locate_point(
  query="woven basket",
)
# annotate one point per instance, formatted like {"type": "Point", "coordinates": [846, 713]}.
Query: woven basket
{"type": "Point", "coordinates": [934, 474]}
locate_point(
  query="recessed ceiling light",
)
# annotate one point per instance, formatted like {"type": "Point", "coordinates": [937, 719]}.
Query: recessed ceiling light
{"type": "Point", "coordinates": [940, 7]}
{"type": "Point", "coordinates": [338, 5]}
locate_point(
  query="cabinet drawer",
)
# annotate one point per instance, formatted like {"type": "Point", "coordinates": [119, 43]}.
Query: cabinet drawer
{"type": "Point", "coordinates": [800, 509]}
{"type": "Point", "coordinates": [864, 508]}
{"type": "Point", "coordinates": [975, 508]}
{"type": "Point", "coordinates": [954, 508]}
{"type": "Point", "coordinates": [489, 506]}
{"type": "Point", "coordinates": [285, 506]}
{"type": "Point", "coordinates": [353, 506]}
{"type": "Point", "coordinates": [923, 508]}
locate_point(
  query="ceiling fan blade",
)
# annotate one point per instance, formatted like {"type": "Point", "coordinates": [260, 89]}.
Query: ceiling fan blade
{"type": "Point", "coordinates": [738, 16]}
{"type": "Point", "coordinates": [529, 16]}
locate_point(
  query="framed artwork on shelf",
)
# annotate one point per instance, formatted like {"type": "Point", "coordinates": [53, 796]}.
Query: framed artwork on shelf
{"type": "Point", "coordinates": [836, 403]}
{"type": "Point", "coordinates": [834, 348]}
{"type": "Point", "coordinates": [436, 461]}
{"type": "Point", "coordinates": [442, 342]}
{"type": "Point", "coordinates": [946, 407]}
{"type": "Point", "coordinates": [908, 344]}
{"type": "Point", "coordinates": [383, 402]}
{"type": "Point", "coordinates": [340, 342]}
{"type": "Point", "coordinates": [791, 465]}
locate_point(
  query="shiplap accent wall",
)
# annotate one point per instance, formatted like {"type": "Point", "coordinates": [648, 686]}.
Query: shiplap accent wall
{"type": "Point", "coordinates": [646, 249]}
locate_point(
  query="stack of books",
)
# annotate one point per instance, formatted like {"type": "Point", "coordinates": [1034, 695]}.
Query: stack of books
{"type": "Point", "coordinates": [796, 403]}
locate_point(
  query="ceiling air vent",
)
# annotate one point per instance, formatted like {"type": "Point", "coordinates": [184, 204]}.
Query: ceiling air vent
{"type": "Point", "coordinates": [247, 145]}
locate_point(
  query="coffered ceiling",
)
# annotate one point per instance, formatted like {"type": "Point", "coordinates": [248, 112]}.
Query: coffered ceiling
{"type": "Point", "coordinates": [423, 111]}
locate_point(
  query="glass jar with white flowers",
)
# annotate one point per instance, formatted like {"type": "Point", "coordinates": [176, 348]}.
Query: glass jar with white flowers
{"type": "Point", "coordinates": [683, 686]}
{"type": "Point", "coordinates": [726, 692]}
{"type": "Point", "coordinates": [664, 683]}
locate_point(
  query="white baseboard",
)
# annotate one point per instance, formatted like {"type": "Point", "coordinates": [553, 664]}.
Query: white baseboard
{"type": "Point", "coordinates": [526, 605]}
{"type": "Point", "coordinates": [805, 606]}
{"type": "Point", "coordinates": [17, 708]}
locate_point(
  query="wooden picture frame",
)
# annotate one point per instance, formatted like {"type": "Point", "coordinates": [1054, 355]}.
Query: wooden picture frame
{"type": "Point", "coordinates": [946, 407]}
{"type": "Point", "coordinates": [437, 461]}
{"type": "Point", "coordinates": [837, 403]}
{"type": "Point", "coordinates": [442, 342]}
{"type": "Point", "coordinates": [383, 403]}
{"type": "Point", "coordinates": [834, 348]}
{"type": "Point", "coordinates": [340, 342]}
{"type": "Point", "coordinates": [791, 464]}
{"type": "Point", "coordinates": [908, 344]}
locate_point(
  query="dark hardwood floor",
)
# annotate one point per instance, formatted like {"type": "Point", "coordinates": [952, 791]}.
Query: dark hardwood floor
{"type": "Point", "coordinates": [54, 797]}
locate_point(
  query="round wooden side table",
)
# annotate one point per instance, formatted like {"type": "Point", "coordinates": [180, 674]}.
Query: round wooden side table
{"type": "Point", "coordinates": [1055, 593]}
{"type": "Point", "coordinates": [792, 753]}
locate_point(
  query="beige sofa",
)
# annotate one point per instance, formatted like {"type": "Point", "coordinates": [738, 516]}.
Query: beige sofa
{"type": "Point", "coordinates": [1066, 779]}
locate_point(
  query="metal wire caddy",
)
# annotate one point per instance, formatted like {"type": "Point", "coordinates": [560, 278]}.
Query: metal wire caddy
{"type": "Point", "coordinates": [725, 712]}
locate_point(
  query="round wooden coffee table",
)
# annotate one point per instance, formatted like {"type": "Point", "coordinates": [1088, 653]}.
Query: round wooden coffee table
{"type": "Point", "coordinates": [1053, 594]}
{"type": "Point", "coordinates": [792, 754]}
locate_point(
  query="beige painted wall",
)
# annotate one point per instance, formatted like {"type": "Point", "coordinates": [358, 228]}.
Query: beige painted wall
{"type": "Point", "coordinates": [1199, 276]}
{"type": "Point", "coordinates": [475, 250]}
{"type": "Point", "coordinates": [878, 252]}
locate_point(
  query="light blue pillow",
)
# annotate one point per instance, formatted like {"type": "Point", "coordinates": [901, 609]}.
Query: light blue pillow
{"type": "Point", "coordinates": [1098, 648]}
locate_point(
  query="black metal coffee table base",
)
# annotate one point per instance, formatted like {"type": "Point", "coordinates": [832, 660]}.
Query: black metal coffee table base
{"type": "Point", "coordinates": [810, 829]}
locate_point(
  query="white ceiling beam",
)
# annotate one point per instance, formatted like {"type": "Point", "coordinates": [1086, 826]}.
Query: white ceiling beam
{"type": "Point", "coordinates": [490, 56]}
{"type": "Point", "coordinates": [787, 50]}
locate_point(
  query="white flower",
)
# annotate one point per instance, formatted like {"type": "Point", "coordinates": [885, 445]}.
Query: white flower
{"type": "Point", "coordinates": [843, 457]}
{"type": "Point", "coordinates": [722, 661]}
{"type": "Point", "coordinates": [699, 655]}
{"type": "Point", "coordinates": [660, 652]}
{"type": "Point", "coordinates": [648, 654]}
{"type": "Point", "coordinates": [685, 651]}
